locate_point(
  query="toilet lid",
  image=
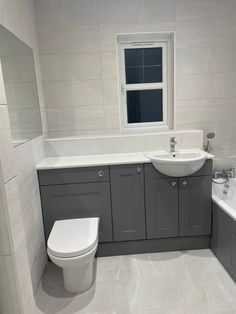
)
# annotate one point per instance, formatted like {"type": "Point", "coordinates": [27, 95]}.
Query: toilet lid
{"type": "Point", "coordinates": [73, 237]}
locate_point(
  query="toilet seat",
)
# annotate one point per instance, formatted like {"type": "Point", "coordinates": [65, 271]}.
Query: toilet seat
{"type": "Point", "coordinates": [73, 237]}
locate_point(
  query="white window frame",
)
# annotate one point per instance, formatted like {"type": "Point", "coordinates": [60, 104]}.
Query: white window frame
{"type": "Point", "coordinates": [165, 40]}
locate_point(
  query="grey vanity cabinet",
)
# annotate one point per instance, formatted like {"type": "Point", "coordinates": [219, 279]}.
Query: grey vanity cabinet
{"type": "Point", "coordinates": [68, 201]}
{"type": "Point", "coordinates": [162, 207]}
{"type": "Point", "coordinates": [140, 209]}
{"type": "Point", "coordinates": [128, 208]}
{"type": "Point", "coordinates": [195, 206]}
{"type": "Point", "coordinates": [178, 207]}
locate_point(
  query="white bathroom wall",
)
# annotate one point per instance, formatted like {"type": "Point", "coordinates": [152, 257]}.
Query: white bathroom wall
{"type": "Point", "coordinates": [27, 255]}
{"type": "Point", "coordinates": [10, 301]}
{"type": "Point", "coordinates": [77, 53]}
{"type": "Point", "coordinates": [206, 72]}
{"type": "Point", "coordinates": [116, 144]}
{"type": "Point", "coordinates": [78, 58]}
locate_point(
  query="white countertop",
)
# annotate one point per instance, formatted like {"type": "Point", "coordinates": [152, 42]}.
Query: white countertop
{"type": "Point", "coordinates": [94, 160]}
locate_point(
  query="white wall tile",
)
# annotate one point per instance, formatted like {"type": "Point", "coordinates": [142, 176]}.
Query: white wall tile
{"type": "Point", "coordinates": [207, 33]}
{"type": "Point", "coordinates": [19, 22]}
{"type": "Point", "coordinates": [27, 156]}
{"type": "Point", "coordinates": [35, 238]}
{"type": "Point", "coordinates": [18, 18]}
{"type": "Point", "coordinates": [71, 67]}
{"type": "Point", "coordinates": [38, 266]}
{"type": "Point", "coordinates": [205, 38]}
{"type": "Point", "coordinates": [108, 32]}
{"type": "Point", "coordinates": [1, 76]}
{"type": "Point", "coordinates": [73, 93]}
{"type": "Point", "coordinates": [224, 131]}
{"type": "Point", "coordinates": [6, 149]}
{"type": "Point", "coordinates": [3, 12]}
{"type": "Point", "coordinates": [9, 300]}
{"type": "Point", "coordinates": [4, 230]}
{"type": "Point", "coordinates": [82, 133]}
{"type": "Point", "coordinates": [210, 85]}
{"type": "Point", "coordinates": [135, 11]}
{"type": "Point", "coordinates": [155, 11]}
{"type": "Point", "coordinates": [3, 99]}
{"type": "Point", "coordinates": [80, 12]}
{"type": "Point", "coordinates": [69, 147]}
{"type": "Point", "coordinates": [28, 6]}
{"type": "Point", "coordinates": [69, 39]}
{"type": "Point", "coordinates": [120, 143]}
{"type": "Point", "coordinates": [31, 215]}
{"type": "Point", "coordinates": [110, 87]}
{"type": "Point", "coordinates": [112, 118]}
{"type": "Point", "coordinates": [109, 65]}
{"type": "Point", "coordinates": [119, 11]}
{"type": "Point", "coordinates": [85, 117]}
{"type": "Point", "coordinates": [206, 110]}
{"type": "Point", "coordinates": [49, 12]}
{"type": "Point", "coordinates": [25, 283]}
{"type": "Point", "coordinates": [204, 9]}
{"type": "Point", "coordinates": [206, 60]}
{"type": "Point", "coordinates": [15, 212]}
{"type": "Point", "coordinates": [192, 140]}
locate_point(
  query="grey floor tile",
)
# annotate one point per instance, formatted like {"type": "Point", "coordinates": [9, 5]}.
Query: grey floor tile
{"type": "Point", "coordinates": [188, 282]}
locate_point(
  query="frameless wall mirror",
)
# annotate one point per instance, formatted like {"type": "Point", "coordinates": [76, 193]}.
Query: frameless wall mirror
{"type": "Point", "coordinates": [18, 71]}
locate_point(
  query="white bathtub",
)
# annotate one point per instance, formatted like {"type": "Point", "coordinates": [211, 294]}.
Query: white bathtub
{"type": "Point", "coordinates": [225, 196]}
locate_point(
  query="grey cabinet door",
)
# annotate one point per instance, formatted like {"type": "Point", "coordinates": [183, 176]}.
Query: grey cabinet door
{"type": "Point", "coordinates": [162, 207]}
{"type": "Point", "coordinates": [233, 252]}
{"type": "Point", "coordinates": [223, 241]}
{"type": "Point", "coordinates": [221, 236]}
{"type": "Point", "coordinates": [127, 193]}
{"type": "Point", "coordinates": [195, 206]}
{"type": "Point", "coordinates": [78, 201]}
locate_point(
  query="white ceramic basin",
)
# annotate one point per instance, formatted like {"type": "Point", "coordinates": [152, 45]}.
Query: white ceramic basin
{"type": "Point", "coordinates": [179, 164]}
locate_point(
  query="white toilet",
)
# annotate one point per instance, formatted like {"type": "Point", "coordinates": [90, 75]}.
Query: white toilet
{"type": "Point", "coordinates": [72, 245]}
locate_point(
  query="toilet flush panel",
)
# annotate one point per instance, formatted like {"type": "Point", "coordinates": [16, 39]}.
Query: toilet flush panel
{"type": "Point", "coordinates": [68, 201]}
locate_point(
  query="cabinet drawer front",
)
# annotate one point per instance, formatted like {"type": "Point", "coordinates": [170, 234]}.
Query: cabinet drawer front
{"type": "Point", "coordinates": [78, 201]}
{"type": "Point", "coordinates": [73, 175]}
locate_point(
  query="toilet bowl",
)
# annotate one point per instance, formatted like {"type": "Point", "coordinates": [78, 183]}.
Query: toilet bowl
{"type": "Point", "coordinates": [72, 245]}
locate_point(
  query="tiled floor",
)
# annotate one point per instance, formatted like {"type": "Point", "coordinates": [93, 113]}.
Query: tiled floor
{"type": "Point", "coordinates": [162, 283]}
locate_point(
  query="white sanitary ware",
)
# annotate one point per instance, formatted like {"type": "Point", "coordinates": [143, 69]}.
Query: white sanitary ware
{"type": "Point", "coordinates": [72, 245]}
{"type": "Point", "coordinates": [224, 195]}
{"type": "Point", "coordinates": [178, 164]}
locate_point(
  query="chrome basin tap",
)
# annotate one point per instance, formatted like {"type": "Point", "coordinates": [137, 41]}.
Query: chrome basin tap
{"type": "Point", "coordinates": [173, 142]}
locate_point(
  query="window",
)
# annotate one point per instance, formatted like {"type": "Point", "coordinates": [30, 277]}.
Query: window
{"type": "Point", "coordinates": [144, 82]}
